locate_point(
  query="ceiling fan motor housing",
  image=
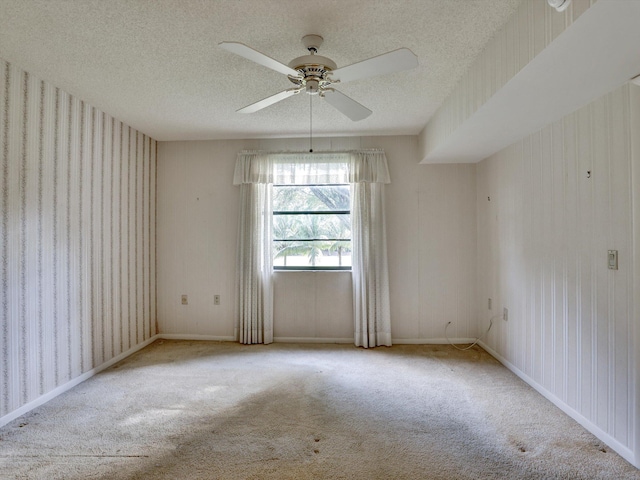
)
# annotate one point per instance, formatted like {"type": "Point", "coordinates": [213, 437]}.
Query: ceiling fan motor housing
{"type": "Point", "coordinates": [314, 69]}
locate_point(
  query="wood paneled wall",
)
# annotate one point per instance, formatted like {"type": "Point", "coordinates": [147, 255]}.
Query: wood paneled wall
{"type": "Point", "coordinates": [549, 208]}
{"type": "Point", "coordinates": [77, 238]}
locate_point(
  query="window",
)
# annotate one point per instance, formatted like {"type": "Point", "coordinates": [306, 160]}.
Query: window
{"type": "Point", "coordinates": [312, 227]}
{"type": "Point", "coordinates": [311, 190]}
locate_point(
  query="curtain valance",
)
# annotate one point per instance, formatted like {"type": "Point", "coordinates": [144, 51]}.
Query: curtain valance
{"type": "Point", "coordinates": [355, 166]}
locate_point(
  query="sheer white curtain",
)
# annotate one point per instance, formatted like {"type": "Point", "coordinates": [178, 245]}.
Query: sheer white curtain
{"type": "Point", "coordinates": [370, 274]}
{"type": "Point", "coordinates": [367, 172]}
{"type": "Point", "coordinates": [254, 262]}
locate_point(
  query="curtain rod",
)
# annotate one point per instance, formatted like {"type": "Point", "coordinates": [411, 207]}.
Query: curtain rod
{"type": "Point", "coordinates": [306, 152]}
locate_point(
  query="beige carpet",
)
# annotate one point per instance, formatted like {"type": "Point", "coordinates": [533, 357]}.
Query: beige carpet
{"type": "Point", "coordinates": [208, 410]}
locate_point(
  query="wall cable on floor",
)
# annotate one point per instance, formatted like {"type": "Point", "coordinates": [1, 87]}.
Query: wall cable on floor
{"type": "Point", "coordinates": [477, 339]}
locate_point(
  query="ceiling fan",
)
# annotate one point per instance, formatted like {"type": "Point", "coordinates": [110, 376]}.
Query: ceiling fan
{"type": "Point", "coordinates": [316, 74]}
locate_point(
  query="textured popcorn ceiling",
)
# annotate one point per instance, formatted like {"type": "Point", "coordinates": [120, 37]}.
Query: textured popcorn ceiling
{"type": "Point", "coordinates": [155, 64]}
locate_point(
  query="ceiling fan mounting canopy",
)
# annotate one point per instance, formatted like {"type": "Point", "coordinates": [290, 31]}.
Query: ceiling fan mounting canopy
{"type": "Point", "coordinates": [315, 74]}
{"type": "Point", "coordinates": [312, 42]}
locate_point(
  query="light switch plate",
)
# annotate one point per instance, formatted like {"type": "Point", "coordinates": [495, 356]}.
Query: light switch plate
{"type": "Point", "coordinates": [612, 259]}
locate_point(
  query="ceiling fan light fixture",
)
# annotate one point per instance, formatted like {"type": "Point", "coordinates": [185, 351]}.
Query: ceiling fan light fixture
{"type": "Point", "coordinates": [312, 86]}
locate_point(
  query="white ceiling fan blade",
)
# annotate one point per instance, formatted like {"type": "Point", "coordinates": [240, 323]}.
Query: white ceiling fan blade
{"type": "Point", "coordinates": [346, 105]}
{"type": "Point", "coordinates": [255, 56]}
{"type": "Point", "coordinates": [391, 62]}
{"type": "Point", "coordinates": [265, 102]}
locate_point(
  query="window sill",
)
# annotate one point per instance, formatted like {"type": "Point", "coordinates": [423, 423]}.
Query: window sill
{"type": "Point", "coordinates": [303, 270]}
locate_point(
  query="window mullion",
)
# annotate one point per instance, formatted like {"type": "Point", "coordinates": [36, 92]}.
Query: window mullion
{"type": "Point", "coordinates": [312, 212]}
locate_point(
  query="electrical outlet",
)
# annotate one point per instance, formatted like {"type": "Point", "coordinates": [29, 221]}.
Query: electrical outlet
{"type": "Point", "coordinates": [505, 314]}
{"type": "Point", "coordinates": [216, 299]}
{"type": "Point", "coordinates": [489, 304]}
{"type": "Point", "coordinates": [184, 300]}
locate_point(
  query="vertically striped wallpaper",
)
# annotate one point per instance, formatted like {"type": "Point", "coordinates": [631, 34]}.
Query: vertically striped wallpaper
{"type": "Point", "coordinates": [77, 238]}
{"type": "Point", "coordinates": [559, 200]}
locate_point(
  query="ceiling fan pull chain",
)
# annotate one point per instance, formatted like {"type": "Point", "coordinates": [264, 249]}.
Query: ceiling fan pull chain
{"type": "Point", "coordinates": [310, 124]}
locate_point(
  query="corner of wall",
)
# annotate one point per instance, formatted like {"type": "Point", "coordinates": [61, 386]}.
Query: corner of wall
{"type": "Point", "coordinates": [634, 95]}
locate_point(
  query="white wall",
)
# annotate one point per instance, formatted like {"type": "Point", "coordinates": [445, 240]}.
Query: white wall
{"type": "Point", "coordinates": [76, 240]}
{"type": "Point", "coordinates": [197, 212]}
{"type": "Point", "coordinates": [542, 252]}
{"type": "Point", "coordinates": [431, 239]}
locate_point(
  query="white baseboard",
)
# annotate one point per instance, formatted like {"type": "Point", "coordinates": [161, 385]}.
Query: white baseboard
{"type": "Point", "coordinates": [311, 340]}
{"type": "Point", "coordinates": [432, 341]}
{"type": "Point", "coordinates": [186, 336]}
{"type": "Point", "coordinates": [72, 383]}
{"type": "Point", "coordinates": [395, 341]}
{"type": "Point", "coordinates": [622, 450]}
